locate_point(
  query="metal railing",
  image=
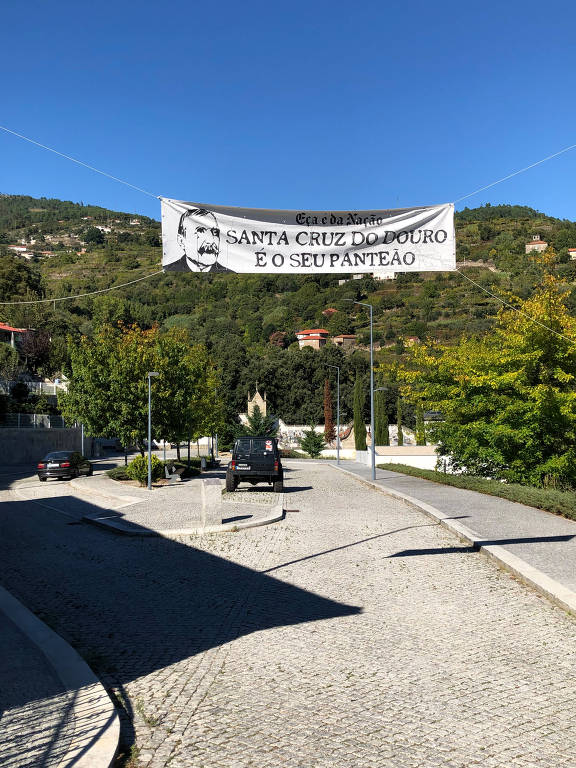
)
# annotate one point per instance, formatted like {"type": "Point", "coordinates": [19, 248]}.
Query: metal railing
{"type": "Point", "coordinates": [34, 387]}
{"type": "Point", "coordinates": [33, 421]}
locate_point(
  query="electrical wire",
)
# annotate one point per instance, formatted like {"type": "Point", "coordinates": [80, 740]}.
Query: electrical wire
{"type": "Point", "coordinates": [81, 295]}
{"type": "Point", "coordinates": [511, 306]}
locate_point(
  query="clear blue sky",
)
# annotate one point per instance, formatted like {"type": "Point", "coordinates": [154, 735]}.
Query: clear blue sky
{"type": "Point", "coordinates": [325, 105]}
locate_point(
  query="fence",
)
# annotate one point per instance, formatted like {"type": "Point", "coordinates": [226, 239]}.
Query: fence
{"type": "Point", "coordinates": [32, 421]}
{"type": "Point", "coordinates": [34, 387]}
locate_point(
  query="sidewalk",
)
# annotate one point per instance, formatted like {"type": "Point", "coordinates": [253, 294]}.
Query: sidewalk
{"type": "Point", "coordinates": [536, 546]}
{"type": "Point", "coordinates": [55, 713]}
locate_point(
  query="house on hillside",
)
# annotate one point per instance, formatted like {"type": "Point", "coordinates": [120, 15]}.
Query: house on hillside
{"type": "Point", "coordinates": [345, 340]}
{"type": "Point", "coordinates": [572, 253]}
{"type": "Point", "coordinates": [536, 244]}
{"type": "Point", "coordinates": [12, 336]}
{"type": "Point", "coordinates": [329, 311]}
{"type": "Point", "coordinates": [312, 337]}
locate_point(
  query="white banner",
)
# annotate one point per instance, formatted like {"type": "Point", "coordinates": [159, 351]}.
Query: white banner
{"type": "Point", "coordinates": [209, 238]}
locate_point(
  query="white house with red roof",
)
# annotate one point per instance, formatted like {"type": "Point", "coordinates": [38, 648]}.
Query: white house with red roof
{"type": "Point", "coordinates": [536, 244]}
{"type": "Point", "coordinates": [312, 337]}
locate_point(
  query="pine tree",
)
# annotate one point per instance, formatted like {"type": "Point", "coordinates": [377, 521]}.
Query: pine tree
{"type": "Point", "coordinates": [260, 425]}
{"type": "Point", "coordinates": [420, 426]}
{"type": "Point", "coordinates": [381, 418]}
{"type": "Point", "coordinates": [329, 431]}
{"type": "Point", "coordinates": [359, 424]}
{"type": "Point", "coordinates": [312, 443]}
{"type": "Point", "coordinates": [399, 421]}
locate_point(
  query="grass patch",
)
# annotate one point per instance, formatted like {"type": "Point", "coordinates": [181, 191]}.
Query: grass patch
{"type": "Point", "coordinates": [558, 502]}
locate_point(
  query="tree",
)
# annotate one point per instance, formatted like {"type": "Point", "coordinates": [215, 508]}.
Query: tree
{"type": "Point", "coordinates": [312, 443]}
{"type": "Point", "coordinates": [18, 279]}
{"type": "Point", "coordinates": [359, 424]}
{"type": "Point", "coordinates": [420, 426]}
{"type": "Point", "coordinates": [399, 421]}
{"type": "Point", "coordinates": [9, 362]}
{"type": "Point", "coordinates": [108, 389]}
{"type": "Point", "coordinates": [382, 436]}
{"type": "Point", "coordinates": [508, 397]}
{"type": "Point", "coordinates": [35, 348]}
{"type": "Point", "coordinates": [94, 236]}
{"type": "Point", "coordinates": [329, 430]}
{"type": "Point", "coordinates": [260, 425]}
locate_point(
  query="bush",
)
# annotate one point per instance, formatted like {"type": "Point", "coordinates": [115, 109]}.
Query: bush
{"type": "Point", "coordinates": [558, 502]}
{"type": "Point", "coordinates": [118, 473]}
{"type": "Point", "coordinates": [288, 453]}
{"type": "Point", "coordinates": [182, 467]}
{"type": "Point", "coordinates": [138, 469]}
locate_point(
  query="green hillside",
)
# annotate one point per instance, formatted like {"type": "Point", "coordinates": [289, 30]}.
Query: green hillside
{"type": "Point", "coordinates": [248, 322]}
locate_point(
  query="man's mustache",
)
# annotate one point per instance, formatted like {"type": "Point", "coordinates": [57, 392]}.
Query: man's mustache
{"type": "Point", "coordinates": [211, 248]}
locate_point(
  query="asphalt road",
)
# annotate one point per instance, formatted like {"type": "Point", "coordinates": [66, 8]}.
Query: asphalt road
{"type": "Point", "coordinates": [356, 633]}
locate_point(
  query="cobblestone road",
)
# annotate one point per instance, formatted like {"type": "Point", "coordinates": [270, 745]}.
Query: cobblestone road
{"type": "Point", "coordinates": [356, 633]}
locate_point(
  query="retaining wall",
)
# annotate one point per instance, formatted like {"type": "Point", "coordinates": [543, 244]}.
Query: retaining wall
{"type": "Point", "coordinates": [28, 446]}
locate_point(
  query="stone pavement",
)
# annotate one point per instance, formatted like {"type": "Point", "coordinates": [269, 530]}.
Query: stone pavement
{"type": "Point", "coordinates": [167, 509]}
{"type": "Point", "coordinates": [538, 546]}
{"type": "Point", "coordinates": [356, 633]}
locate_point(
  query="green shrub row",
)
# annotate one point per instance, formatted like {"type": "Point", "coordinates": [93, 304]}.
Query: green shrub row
{"type": "Point", "coordinates": [138, 469]}
{"type": "Point", "coordinates": [559, 502]}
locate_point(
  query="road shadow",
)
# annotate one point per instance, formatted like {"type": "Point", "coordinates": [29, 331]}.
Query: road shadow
{"type": "Point", "coordinates": [132, 606]}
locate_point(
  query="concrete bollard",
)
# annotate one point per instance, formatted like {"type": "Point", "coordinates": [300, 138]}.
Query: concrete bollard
{"type": "Point", "coordinates": [211, 501]}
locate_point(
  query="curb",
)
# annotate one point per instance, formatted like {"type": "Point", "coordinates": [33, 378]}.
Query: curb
{"type": "Point", "coordinates": [96, 723]}
{"type": "Point", "coordinates": [275, 516]}
{"type": "Point", "coordinates": [555, 592]}
{"type": "Point", "coordinates": [85, 488]}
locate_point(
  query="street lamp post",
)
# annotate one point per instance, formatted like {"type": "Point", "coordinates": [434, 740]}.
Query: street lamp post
{"type": "Point", "coordinates": [373, 452]}
{"type": "Point", "coordinates": [337, 413]}
{"type": "Point", "coordinates": [150, 374]}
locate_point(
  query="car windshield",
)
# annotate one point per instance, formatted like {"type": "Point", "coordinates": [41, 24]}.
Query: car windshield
{"type": "Point", "coordinates": [57, 455]}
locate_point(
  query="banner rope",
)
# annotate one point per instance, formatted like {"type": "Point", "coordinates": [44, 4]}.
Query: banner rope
{"type": "Point", "coordinates": [516, 173]}
{"type": "Point", "coordinates": [81, 295]}
{"type": "Point", "coordinates": [79, 162]}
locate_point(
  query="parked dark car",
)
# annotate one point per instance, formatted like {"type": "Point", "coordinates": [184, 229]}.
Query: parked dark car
{"type": "Point", "coordinates": [63, 464]}
{"type": "Point", "coordinates": [255, 460]}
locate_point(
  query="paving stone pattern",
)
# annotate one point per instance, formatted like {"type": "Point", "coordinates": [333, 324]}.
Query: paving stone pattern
{"type": "Point", "coordinates": [356, 633]}
{"type": "Point", "coordinates": [35, 724]}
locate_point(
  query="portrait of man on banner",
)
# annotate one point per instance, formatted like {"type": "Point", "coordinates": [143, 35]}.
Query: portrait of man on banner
{"type": "Point", "coordinates": [199, 241]}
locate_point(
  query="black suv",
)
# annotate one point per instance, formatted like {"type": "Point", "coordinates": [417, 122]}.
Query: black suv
{"type": "Point", "coordinates": [255, 460]}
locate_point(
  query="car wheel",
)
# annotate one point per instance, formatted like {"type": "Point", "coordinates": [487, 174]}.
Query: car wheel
{"type": "Point", "coordinates": [42, 479]}
{"type": "Point", "coordinates": [278, 486]}
{"type": "Point", "coordinates": [230, 482]}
